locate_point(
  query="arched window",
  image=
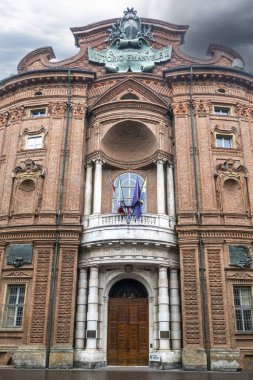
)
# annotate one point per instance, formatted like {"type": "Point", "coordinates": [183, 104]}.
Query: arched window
{"type": "Point", "coordinates": [124, 191]}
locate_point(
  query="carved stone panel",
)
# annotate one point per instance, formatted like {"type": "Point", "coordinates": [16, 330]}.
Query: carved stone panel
{"type": "Point", "coordinates": [216, 294]}
{"type": "Point", "coordinates": [191, 298]}
{"type": "Point", "coordinates": [66, 297]}
{"type": "Point", "coordinates": [40, 297]}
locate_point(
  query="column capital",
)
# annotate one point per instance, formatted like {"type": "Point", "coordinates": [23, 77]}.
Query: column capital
{"type": "Point", "coordinates": [170, 164]}
{"type": "Point", "coordinates": [98, 160]}
{"type": "Point", "coordinates": [160, 161]}
{"type": "Point", "coordinates": [88, 164]}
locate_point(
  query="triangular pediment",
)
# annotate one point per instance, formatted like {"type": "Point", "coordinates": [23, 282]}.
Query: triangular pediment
{"type": "Point", "coordinates": [130, 90]}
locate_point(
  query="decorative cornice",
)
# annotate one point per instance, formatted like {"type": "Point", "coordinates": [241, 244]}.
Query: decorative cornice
{"type": "Point", "coordinates": [221, 234]}
{"type": "Point", "coordinates": [47, 76]}
{"type": "Point", "coordinates": [33, 56]}
{"type": "Point", "coordinates": [158, 155]}
{"type": "Point", "coordinates": [208, 72]}
{"type": "Point", "coordinates": [107, 107]}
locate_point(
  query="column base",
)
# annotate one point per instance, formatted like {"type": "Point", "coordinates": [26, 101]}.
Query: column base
{"type": "Point", "coordinates": [194, 359]}
{"type": "Point", "coordinates": [168, 360]}
{"type": "Point", "coordinates": [89, 359]}
{"type": "Point", "coordinates": [29, 357]}
{"type": "Point", "coordinates": [61, 358]}
{"type": "Point", "coordinates": [225, 360]}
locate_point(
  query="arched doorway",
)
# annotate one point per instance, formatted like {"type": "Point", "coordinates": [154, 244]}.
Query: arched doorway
{"type": "Point", "coordinates": [127, 343]}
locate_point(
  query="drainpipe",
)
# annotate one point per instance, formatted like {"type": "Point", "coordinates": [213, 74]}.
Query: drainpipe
{"type": "Point", "coordinates": [58, 223]}
{"type": "Point", "coordinates": [200, 242]}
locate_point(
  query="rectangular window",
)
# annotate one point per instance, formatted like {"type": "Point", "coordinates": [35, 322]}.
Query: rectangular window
{"type": "Point", "coordinates": [14, 306]}
{"type": "Point", "coordinates": [34, 142]}
{"type": "Point", "coordinates": [224, 141]}
{"type": "Point", "coordinates": [39, 112]}
{"type": "Point", "coordinates": [243, 308]}
{"type": "Point", "coordinates": [222, 111]}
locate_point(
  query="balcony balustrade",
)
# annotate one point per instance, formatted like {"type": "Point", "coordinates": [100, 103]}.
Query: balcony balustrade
{"type": "Point", "coordinates": [150, 228]}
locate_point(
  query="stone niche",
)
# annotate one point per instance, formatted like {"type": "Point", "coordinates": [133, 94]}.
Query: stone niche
{"type": "Point", "coordinates": [129, 141]}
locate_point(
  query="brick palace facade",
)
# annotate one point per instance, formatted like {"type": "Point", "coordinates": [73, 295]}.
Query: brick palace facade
{"type": "Point", "coordinates": [85, 281]}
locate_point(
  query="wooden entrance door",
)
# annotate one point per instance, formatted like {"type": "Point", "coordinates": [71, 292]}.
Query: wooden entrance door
{"type": "Point", "coordinates": [127, 343]}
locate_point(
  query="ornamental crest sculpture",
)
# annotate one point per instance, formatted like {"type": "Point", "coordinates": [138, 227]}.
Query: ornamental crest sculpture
{"type": "Point", "coordinates": [129, 49]}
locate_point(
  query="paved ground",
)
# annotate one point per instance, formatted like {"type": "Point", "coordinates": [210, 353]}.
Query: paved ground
{"type": "Point", "coordinates": [119, 374]}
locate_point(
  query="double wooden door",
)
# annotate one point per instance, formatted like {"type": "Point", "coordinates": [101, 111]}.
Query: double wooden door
{"type": "Point", "coordinates": [127, 343]}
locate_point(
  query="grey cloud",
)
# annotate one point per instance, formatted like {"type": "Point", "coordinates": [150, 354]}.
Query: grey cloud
{"type": "Point", "coordinates": [220, 21]}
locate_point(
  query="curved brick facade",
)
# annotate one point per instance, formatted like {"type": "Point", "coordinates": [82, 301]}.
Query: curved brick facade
{"type": "Point", "coordinates": [68, 129]}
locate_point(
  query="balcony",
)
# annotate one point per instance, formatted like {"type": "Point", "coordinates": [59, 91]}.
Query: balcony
{"type": "Point", "coordinates": [113, 228]}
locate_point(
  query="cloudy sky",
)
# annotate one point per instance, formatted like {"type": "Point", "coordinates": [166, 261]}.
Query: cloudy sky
{"type": "Point", "coordinates": [29, 24]}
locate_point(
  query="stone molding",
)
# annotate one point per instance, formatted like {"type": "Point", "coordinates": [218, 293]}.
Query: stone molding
{"type": "Point", "coordinates": [159, 155]}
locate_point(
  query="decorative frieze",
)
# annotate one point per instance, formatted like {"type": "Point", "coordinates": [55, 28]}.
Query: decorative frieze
{"type": "Point", "coordinates": [57, 109]}
{"type": "Point", "coordinates": [4, 118]}
{"type": "Point", "coordinates": [181, 108]}
{"type": "Point", "coordinates": [16, 114]}
{"type": "Point", "coordinates": [78, 110]}
{"type": "Point", "coordinates": [242, 110]}
{"type": "Point", "coordinates": [202, 107]}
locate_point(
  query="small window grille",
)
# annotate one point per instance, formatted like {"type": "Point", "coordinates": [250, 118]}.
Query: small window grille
{"type": "Point", "coordinates": [39, 112]}
{"type": "Point", "coordinates": [222, 111]}
{"type": "Point", "coordinates": [224, 141]}
{"type": "Point", "coordinates": [243, 308]}
{"type": "Point", "coordinates": [128, 288]}
{"type": "Point", "coordinates": [34, 142]}
{"type": "Point", "coordinates": [14, 307]}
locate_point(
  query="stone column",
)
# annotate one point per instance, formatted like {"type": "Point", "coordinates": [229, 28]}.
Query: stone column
{"type": "Point", "coordinates": [175, 313]}
{"type": "Point", "coordinates": [170, 191]}
{"type": "Point", "coordinates": [81, 309]}
{"type": "Point", "coordinates": [160, 188]}
{"type": "Point", "coordinates": [88, 190]}
{"type": "Point", "coordinates": [92, 315]}
{"type": "Point", "coordinates": [164, 314]}
{"type": "Point", "coordinates": [97, 195]}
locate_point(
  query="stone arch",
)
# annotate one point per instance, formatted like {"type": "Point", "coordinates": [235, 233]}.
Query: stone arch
{"type": "Point", "coordinates": [128, 288]}
{"type": "Point", "coordinates": [116, 277]}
